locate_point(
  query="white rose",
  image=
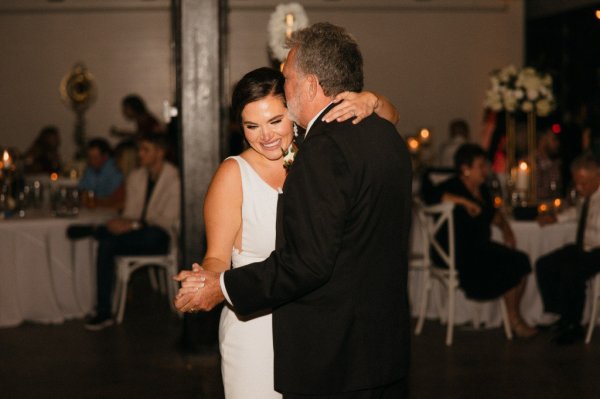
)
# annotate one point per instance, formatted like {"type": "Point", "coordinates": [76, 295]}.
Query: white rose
{"type": "Point", "coordinates": [510, 102]}
{"type": "Point", "coordinates": [532, 94]}
{"type": "Point", "coordinates": [527, 106]}
{"type": "Point", "coordinates": [519, 94]}
{"type": "Point", "coordinates": [543, 107]}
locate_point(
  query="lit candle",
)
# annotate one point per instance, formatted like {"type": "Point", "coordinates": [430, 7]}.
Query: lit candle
{"type": "Point", "coordinates": [522, 183]}
{"type": "Point", "coordinates": [6, 160]}
{"type": "Point", "coordinates": [413, 145]}
{"type": "Point", "coordinates": [289, 25]}
{"type": "Point", "coordinates": [424, 134]}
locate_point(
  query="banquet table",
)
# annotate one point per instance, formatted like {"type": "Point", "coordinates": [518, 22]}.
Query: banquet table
{"type": "Point", "coordinates": [45, 277]}
{"type": "Point", "coordinates": [533, 239]}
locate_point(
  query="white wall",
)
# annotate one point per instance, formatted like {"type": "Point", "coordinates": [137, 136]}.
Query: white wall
{"type": "Point", "coordinates": [126, 50]}
{"type": "Point", "coordinates": [433, 63]}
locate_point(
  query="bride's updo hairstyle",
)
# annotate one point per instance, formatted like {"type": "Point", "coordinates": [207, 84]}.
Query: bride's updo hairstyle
{"type": "Point", "coordinates": [255, 85]}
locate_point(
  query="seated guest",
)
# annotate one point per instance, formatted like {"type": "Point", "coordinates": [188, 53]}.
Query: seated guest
{"type": "Point", "coordinates": [486, 270]}
{"type": "Point", "coordinates": [101, 176]}
{"type": "Point", "coordinates": [151, 211]}
{"type": "Point", "coordinates": [43, 156]}
{"type": "Point", "coordinates": [459, 135]}
{"type": "Point", "coordinates": [548, 171]}
{"type": "Point", "coordinates": [562, 274]}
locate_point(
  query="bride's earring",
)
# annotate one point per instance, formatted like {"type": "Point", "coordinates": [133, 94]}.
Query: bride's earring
{"type": "Point", "coordinates": [295, 128]}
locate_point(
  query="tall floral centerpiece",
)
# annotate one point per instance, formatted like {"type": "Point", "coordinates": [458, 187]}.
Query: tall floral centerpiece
{"type": "Point", "coordinates": [520, 91]}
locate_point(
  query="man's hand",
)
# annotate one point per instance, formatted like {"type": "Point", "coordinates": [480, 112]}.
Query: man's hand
{"type": "Point", "coordinates": [200, 290]}
{"type": "Point", "coordinates": [118, 226]}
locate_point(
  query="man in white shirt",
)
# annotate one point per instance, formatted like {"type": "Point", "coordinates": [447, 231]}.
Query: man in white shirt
{"type": "Point", "coordinates": [152, 208]}
{"type": "Point", "coordinates": [562, 274]}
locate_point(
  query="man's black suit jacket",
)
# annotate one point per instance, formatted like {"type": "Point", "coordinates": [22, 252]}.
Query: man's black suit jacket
{"type": "Point", "coordinates": [338, 286]}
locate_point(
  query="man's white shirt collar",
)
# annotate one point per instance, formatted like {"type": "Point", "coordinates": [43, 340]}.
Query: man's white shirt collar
{"type": "Point", "coordinates": [312, 121]}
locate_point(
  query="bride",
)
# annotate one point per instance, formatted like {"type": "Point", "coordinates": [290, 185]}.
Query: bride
{"type": "Point", "coordinates": [240, 215]}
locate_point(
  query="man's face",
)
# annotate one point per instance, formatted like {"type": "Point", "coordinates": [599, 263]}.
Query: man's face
{"type": "Point", "coordinates": [586, 181]}
{"type": "Point", "coordinates": [96, 158]}
{"type": "Point", "coordinates": [150, 154]}
{"type": "Point", "coordinates": [293, 87]}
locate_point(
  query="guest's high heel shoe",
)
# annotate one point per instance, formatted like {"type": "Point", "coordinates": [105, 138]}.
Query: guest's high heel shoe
{"type": "Point", "coordinates": [522, 330]}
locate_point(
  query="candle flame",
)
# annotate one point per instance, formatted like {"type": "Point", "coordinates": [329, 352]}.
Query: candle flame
{"type": "Point", "coordinates": [523, 165]}
{"type": "Point", "coordinates": [54, 176]}
{"type": "Point", "coordinates": [5, 157]}
{"type": "Point", "coordinates": [557, 203]}
{"type": "Point", "coordinates": [424, 133]}
{"type": "Point", "coordinates": [543, 208]}
{"type": "Point", "coordinates": [413, 144]}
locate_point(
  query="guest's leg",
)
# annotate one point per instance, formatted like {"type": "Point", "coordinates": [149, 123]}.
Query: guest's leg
{"type": "Point", "coordinates": [548, 274]}
{"type": "Point", "coordinates": [105, 273]}
{"type": "Point", "coordinates": [150, 240]}
{"type": "Point", "coordinates": [574, 278]}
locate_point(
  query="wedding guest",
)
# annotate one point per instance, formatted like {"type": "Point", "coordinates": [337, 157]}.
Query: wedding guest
{"type": "Point", "coordinates": [574, 137]}
{"type": "Point", "coordinates": [459, 135]}
{"type": "Point", "coordinates": [134, 109]}
{"type": "Point", "coordinates": [562, 274]}
{"type": "Point", "coordinates": [486, 269]}
{"type": "Point", "coordinates": [548, 169]}
{"type": "Point", "coordinates": [152, 207]}
{"type": "Point", "coordinates": [43, 156]}
{"type": "Point", "coordinates": [101, 176]}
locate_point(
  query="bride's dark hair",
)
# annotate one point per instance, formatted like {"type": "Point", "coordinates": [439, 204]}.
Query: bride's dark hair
{"type": "Point", "coordinates": [255, 85]}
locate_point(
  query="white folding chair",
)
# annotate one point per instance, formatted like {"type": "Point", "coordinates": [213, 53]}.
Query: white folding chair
{"type": "Point", "coordinates": [595, 285]}
{"type": "Point", "coordinates": [127, 265]}
{"type": "Point", "coordinates": [418, 260]}
{"type": "Point", "coordinates": [438, 218]}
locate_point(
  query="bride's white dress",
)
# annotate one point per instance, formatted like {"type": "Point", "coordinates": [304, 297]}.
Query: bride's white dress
{"type": "Point", "coordinates": [247, 344]}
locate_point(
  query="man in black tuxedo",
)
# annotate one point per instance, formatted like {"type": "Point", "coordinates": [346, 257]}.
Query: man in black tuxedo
{"type": "Point", "coordinates": [337, 282]}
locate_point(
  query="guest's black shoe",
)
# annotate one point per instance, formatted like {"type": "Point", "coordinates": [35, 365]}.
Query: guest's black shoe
{"type": "Point", "coordinates": [78, 231]}
{"type": "Point", "coordinates": [98, 323]}
{"type": "Point", "coordinates": [557, 326]}
{"type": "Point", "coordinates": [569, 335]}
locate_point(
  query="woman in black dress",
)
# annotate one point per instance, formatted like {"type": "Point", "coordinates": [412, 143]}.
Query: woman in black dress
{"type": "Point", "coordinates": [486, 269]}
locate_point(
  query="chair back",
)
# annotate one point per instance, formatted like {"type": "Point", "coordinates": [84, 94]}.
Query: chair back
{"type": "Point", "coordinates": [439, 220]}
{"type": "Point", "coordinates": [419, 258]}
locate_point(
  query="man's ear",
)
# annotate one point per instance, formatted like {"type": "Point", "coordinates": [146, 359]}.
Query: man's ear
{"type": "Point", "coordinates": [313, 86]}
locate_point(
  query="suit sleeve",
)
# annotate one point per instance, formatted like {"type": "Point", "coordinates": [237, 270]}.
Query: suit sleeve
{"type": "Point", "coordinates": [316, 200]}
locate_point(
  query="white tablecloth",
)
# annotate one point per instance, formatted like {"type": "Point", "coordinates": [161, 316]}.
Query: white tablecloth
{"type": "Point", "coordinates": [532, 239]}
{"type": "Point", "coordinates": [44, 277]}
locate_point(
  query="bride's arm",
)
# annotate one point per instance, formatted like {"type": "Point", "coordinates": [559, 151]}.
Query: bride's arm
{"type": "Point", "coordinates": [223, 220]}
{"type": "Point", "coordinates": [360, 105]}
{"type": "Point", "coordinates": [222, 216]}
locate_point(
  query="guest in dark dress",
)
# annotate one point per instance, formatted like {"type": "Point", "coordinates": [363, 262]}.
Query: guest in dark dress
{"type": "Point", "coordinates": [486, 269]}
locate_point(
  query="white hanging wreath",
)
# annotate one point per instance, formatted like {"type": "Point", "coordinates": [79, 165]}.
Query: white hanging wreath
{"type": "Point", "coordinates": [278, 27]}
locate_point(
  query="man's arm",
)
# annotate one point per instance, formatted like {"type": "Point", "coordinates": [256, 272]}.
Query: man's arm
{"type": "Point", "coordinates": [315, 209]}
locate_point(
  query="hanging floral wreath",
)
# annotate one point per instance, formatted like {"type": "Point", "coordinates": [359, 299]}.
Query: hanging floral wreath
{"type": "Point", "coordinates": [281, 24]}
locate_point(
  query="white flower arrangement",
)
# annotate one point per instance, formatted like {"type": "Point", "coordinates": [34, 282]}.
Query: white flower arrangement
{"type": "Point", "coordinates": [524, 90]}
{"type": "Point", "coordinates": [281, 25]}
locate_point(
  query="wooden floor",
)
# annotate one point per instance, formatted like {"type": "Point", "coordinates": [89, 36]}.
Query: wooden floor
{"type": "Point", "coordinates": [141, 359]}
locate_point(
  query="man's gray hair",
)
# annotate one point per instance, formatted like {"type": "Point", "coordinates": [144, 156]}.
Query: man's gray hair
{"type": "Point", "coordinates": [587, 161]}
{"type": "Point", "coordinates": [331, 54]}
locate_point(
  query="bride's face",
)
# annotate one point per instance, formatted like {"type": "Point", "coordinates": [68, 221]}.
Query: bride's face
{"type": "Point", "coordinates": [267, 127]}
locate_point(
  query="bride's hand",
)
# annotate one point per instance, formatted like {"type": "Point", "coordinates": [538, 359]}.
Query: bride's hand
{"type": "Point", "coordinates": [352, 105]}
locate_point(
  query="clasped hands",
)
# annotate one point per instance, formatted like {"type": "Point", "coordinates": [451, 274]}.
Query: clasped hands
{"type": "Point", "coordinates": [200, 290]}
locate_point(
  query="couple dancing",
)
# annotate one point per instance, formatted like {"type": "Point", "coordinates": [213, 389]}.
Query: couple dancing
{"type": "Point", "coordinates": [327, 258]}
